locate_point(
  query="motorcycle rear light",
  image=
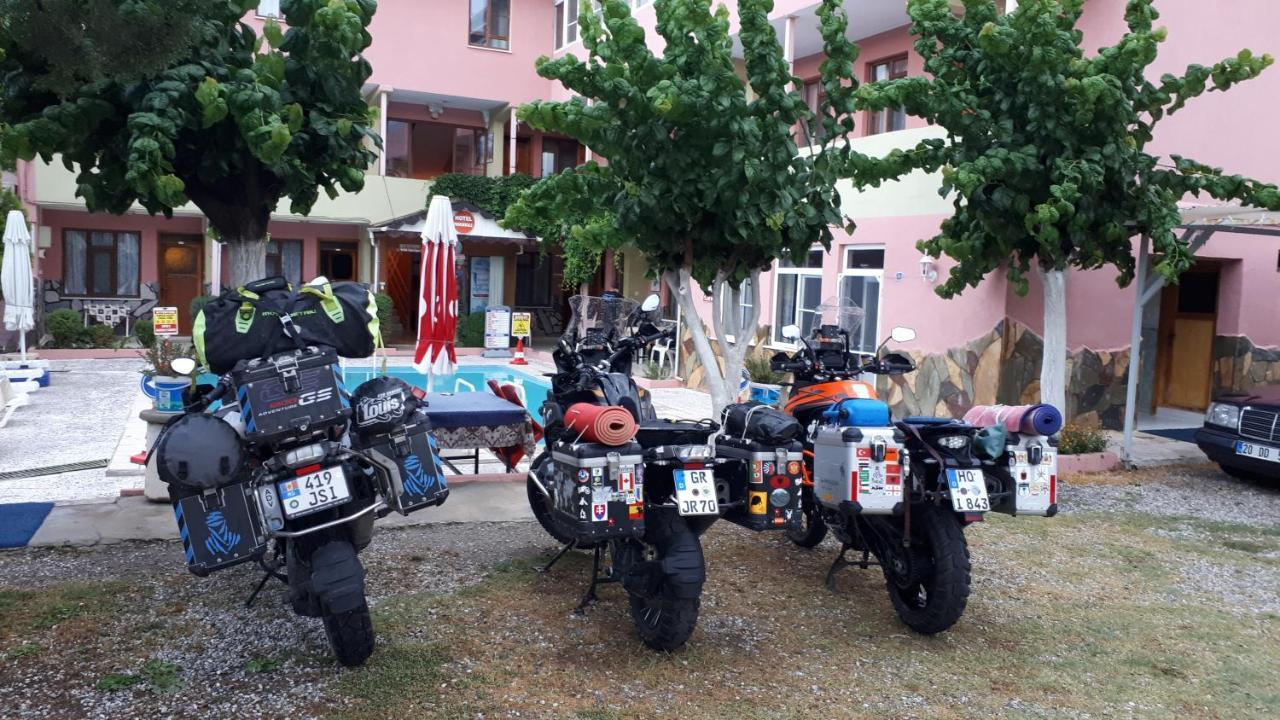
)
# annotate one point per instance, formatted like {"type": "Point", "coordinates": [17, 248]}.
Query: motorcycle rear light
{"type": "Point", "coordinates": [694, 466]}
{"type": "Point", "coordinates": [308, 469]}
{"type": "Point", "coordinates": [973, 517]}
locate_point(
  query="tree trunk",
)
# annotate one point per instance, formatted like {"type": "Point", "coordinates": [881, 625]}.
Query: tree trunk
{"type": "Point", "coordinates": [722, 384]}
{"type": "Point", "coordinates": [1053, 368]}
{"type": "Point", "coordinates": [246, 260]}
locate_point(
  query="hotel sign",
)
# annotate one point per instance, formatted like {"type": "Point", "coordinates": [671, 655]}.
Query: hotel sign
{"type": "Point", "coordinates": [464, 222]}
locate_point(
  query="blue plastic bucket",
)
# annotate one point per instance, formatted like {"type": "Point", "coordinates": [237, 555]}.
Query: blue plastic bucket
{"type": "Point", "coordinates": [166, 392]}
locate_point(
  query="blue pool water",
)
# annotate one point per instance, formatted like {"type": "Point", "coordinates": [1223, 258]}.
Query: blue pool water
{"type": "Point", "coordinates": [467, 378]}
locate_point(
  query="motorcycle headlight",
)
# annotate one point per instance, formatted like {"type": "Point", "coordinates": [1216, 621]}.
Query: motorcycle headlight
{"type": "Point", "coordinates": [953, 442]}
{"type": "Point", "coordinates": [1223, 415]}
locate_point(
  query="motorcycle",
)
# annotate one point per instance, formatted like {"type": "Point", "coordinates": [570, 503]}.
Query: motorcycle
{"type": "Point", "coordinates": [276, 464]}
{"type": "Point", "coordinates": [642, 504]}
{"type": "Point", "coordinates": [902, 492]}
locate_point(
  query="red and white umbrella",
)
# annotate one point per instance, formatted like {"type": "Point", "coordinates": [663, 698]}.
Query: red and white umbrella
{"type": "Point", "coordinates": [438, 305]}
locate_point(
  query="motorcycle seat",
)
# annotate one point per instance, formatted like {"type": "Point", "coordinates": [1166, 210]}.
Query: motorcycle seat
{"type": "Point", "coordinates": [653, 433]}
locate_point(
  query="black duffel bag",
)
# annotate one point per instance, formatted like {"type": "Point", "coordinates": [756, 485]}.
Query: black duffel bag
{"type": "Point", "coordinates": [760, 423]}
{"type": "Point", "coordinates": [267, 317]}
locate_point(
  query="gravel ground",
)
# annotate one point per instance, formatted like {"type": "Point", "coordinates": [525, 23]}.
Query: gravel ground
{"type": "Point", "coordinates": [79, 417]}
{"type": "Point", "coordinates": [504, 632]}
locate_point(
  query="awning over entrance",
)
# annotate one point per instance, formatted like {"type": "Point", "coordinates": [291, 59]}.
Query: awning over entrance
{"type": "Point", "coordinates": [1200, 222]}
{"type": "Point", "coordinates": [471, 222]}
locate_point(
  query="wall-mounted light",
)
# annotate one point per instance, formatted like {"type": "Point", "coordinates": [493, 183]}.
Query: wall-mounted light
{"type": "Point", "coordinates": [435, 111]}
{"type": "Point", "coordinates": [928, 268]}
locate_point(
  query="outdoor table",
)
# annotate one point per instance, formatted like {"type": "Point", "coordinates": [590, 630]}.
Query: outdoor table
{"type": "Point", "coordinates": [477, 421]}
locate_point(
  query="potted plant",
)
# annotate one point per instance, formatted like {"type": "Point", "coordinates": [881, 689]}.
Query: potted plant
{"type": "Point", "coordinates": [765, 383]}
{"type": "Point", "coordinates": [164, 384]}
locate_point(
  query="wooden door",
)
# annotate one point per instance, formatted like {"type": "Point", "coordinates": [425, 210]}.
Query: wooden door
{"type": "Point", "coordinates": [1188, 323]}
{"type": "Point", "coordinates": [181, 276]}
{"type": "Point", "coordinates": [523, 164]}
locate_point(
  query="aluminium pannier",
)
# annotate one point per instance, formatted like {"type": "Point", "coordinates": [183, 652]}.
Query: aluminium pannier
{"type": "Point", "coordinates": [268, 316]}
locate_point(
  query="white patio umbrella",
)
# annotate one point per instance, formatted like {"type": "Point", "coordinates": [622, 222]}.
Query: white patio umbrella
{"type": "Point", "coordinates": [438, 304]}
{"type": "Point", "coordinates": [15, 277]}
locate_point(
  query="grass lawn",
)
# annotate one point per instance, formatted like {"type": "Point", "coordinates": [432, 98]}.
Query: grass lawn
{"type": "Point", "coordinates": [1084, 615]}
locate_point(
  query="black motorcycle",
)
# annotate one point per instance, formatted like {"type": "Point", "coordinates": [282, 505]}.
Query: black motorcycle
{"type": "Point", "coordinates": [643, 504]}
{"type": "Point", "coordinates": [899, 491]}
{"type": "Point", "coordinates": [278, 465]}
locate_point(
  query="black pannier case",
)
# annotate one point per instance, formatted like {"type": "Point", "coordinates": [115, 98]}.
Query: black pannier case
{"type": "Point", "coordinates": [291, 397]}
{"type": "Point", "coordinates": [599, 489]}
{"type": "Point", "coordinates": [408, 459]}
{"type": "Point", "coordinates": [219, 528]}
{"type": "Point", "coordinates": [760, 486]}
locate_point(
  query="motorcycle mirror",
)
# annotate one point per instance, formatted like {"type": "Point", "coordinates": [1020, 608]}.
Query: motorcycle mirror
{"type": "Point", "coordinates": [183, 365]}
{"type": "Point", "coordinates": [902, 334]}
{"type": "Point", "coordinates": [791, 332]}
{"type": "Point", "coordinates": [651, 303]}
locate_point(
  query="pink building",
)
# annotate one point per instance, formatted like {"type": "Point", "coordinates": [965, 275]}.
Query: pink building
{"type": "Point", "coordinates": [447, 74]}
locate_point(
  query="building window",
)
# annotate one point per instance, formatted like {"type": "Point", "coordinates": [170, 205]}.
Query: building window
{"type": "Point", "coordinates": [559, 29]}
{"type": "Point", "coordinates": [269, 8]}
{"type": "Point", "coordinates": [861, 279]}
{"type": "Point", "coordinates": [558, 155]}
{"type": "Point", "coordinates": [338, 260]}
{"type": "Point", "coordinates": [570, 22]}
{"type": "Point", "coordinates": [425, 150]}
{"type": "Point", "coordinates": [797, 295]}
{"type": "Point", "coordinates": [733, 317]}
{"type": "Point", "coordinates": [815, 96]}
{"type": "Point", "coordinates": [100, 264]}
{"type": "Point", "coordinates": [491, 24]}
{"type": "Point", "coordinates": [889, 119]}
{"type": "Point", "coordinates": [284, 257]}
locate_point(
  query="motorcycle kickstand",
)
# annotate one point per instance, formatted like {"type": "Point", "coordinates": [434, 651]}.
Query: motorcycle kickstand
{"type": "Point", "coordinates": [267, 573]}
{"type": "Point", "coordinates": [590, 598]}
{"type": "Point", "coordinates": [543, 570]}
{"type": "Point", "coordinates": [842, 562]}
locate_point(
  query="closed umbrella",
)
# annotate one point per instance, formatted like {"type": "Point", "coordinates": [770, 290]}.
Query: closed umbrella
{"type": "Point", "coordinates": [438, 304]}
{"type": "Point", "coordinates": [15, 277]}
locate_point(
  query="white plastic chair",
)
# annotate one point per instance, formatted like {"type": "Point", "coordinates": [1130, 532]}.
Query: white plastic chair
{"type": "Point", "coordinates": [660, 350]}
{"type": "Point", "coordinates": [10, 400]}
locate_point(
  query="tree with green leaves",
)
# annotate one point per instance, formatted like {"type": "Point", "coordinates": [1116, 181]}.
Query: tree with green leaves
{"type": "Point", "coordinates": [1046, 151]}
{"type": "Point", "coordinates": [703, 174]}
{"type": "Point", "coordinates": [233, 122]}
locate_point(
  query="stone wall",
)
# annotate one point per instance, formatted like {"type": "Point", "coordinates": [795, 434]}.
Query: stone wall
{"type": "Point", "coordinates": [1238, 364]}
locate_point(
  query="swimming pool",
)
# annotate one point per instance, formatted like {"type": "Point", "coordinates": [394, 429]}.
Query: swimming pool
{"type": "Point", "coordinates": [467, 378]}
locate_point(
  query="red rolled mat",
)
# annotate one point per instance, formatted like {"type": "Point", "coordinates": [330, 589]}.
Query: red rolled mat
{"type": "Point", "coordinates": [604, 424]}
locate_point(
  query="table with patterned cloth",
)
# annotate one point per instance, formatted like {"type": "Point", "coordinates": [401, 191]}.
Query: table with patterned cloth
{"type": "Point", "coordinates": [477, 421]}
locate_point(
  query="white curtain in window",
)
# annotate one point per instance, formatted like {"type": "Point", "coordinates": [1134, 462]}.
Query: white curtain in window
{"type": "Point", "coordinates": [127, 264]}
{"type": "Point", "coordinates": [864, 291]}
{"type": "Point", "coordinates": [291, 261]}
{"type": "Point", "coordinates": [73, 248]}
{"type": "Point", "coordinates": [269, 8]}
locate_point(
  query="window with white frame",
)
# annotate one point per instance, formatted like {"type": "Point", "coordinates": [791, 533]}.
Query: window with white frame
{"type": "Point", "coordinates": [732, 316]}
{"type": "Point", "coordinates": [566, 22]}
{"type": "Point", "coordinates": [797, 294]}
{"type": "Point", "coordinates": [269, 8]}
{"type": "Point", "coordinates": [861, 279]}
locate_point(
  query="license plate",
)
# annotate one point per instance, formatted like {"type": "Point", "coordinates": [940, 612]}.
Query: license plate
{"type": "Point", "coordinates": [1261, 452]}
{"type": "Point", "coordinates": [308, 493]}
{"type": "Point", "coordinates": [968, 491]}
{"type": "Point", "coordinates": [696, 492]}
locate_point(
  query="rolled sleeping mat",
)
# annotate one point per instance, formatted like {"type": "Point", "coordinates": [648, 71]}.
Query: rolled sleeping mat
{"type": "Point", "coordinates": [1038, 419]}
{"type": "Point", "coordinates": [603, 424]}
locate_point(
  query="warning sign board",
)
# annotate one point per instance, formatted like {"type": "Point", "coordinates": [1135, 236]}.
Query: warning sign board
{"type": "Point", "coordinates": [165, 320]}
{"type": "Point", "coordinates": [520, 324]}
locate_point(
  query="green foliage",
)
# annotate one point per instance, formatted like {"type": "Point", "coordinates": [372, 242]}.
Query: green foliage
{"type": "Point", "coordinates": [145, 331]}
{"type": "Point", "coordinates": [102, 336]}
{"type": "Point", "coordinates": [757, 366]}
{"type": "Point", "coordinates": [491, 194]}
{"type": "Point", "coordinates": [198, 302]}
{"type": "Point", "coordinates": [158, 676]}
{"type": "Point", "coordinates": [262, 665]}
{"type": "Point", "coordinates": [471, 330]}
{"type": "Point", "coordinates": [160, 356]}
{"type": "Point", "coordinates": [654, 371]}
{"type": "Point", "coordinates": [8, 201]}
{"type": "Point", "coordinates": [1081, 439]}
{"type": "Point", "coordinates": [703, 173]}
{"type": "Point", "coordinates": [1046, 154]}
{"type": "Point", "coordinates": [66, 326]}
{"type": "Point", "coordinates": [386, 310]}
{"type": "Point", "coordinates": [233, 123]}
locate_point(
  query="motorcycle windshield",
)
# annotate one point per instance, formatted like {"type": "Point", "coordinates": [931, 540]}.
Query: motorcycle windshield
{"type": "Point", "coordinates": [598, 320]}
{"type": "Point", "coordinates": [842, 315]}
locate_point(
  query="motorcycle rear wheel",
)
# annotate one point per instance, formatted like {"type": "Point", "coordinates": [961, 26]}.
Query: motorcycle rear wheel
{"type": "Point", "coordinates": [350, 635]}
{"type": "Point", "coordinates": [541, 506]}
{"type": "Point", "coordinates": [665, 612]}
{"type": "Point", "coordinates": [813, 529]}
{"type": "Point", "coordinates": [931, 593]}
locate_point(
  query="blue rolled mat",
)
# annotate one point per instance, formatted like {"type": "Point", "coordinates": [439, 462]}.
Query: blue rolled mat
{"type": "Point", "coordinates": [1041, 420]}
